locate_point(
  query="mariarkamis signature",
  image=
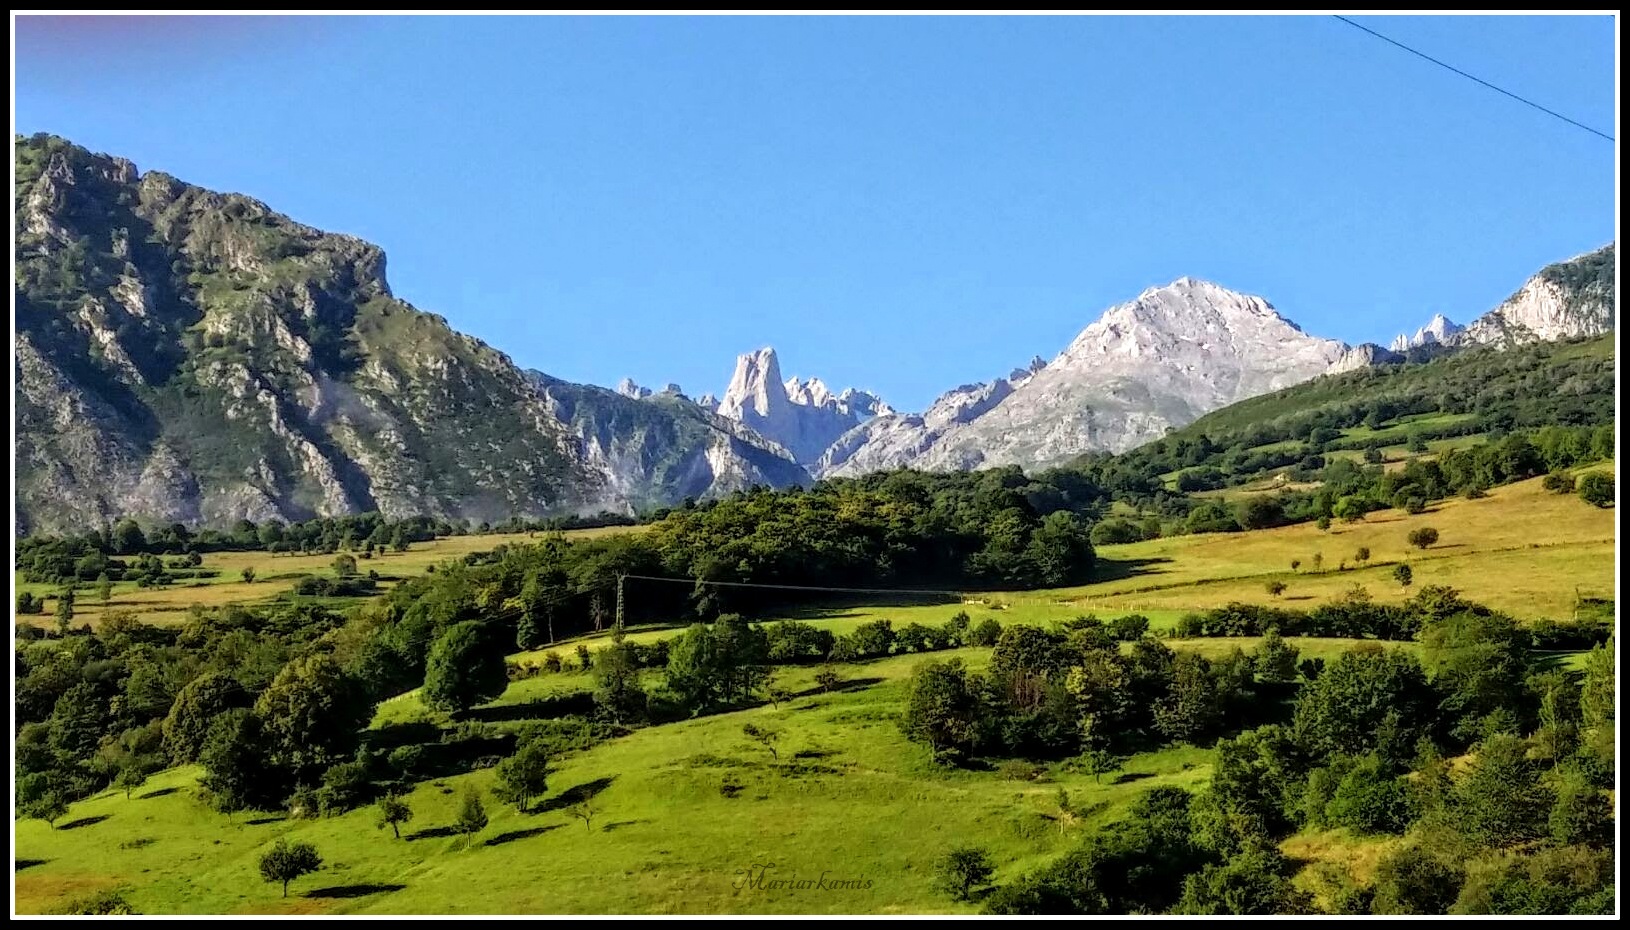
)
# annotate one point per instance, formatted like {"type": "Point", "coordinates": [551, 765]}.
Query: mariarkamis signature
{"type": "Point", "coordinates": [758, 877]}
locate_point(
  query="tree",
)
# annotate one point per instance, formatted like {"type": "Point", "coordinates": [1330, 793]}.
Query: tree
{"type": "Point", "coordinates": [1254, 882]}
{"type": "Point", "coordinates": [1404, 575]}
{"type": "Point", "coordinates": [585, 811]}
{"type": "Point", "coordinates": [286, 861]}
{"type": "Point", "coordinates": [1275, 587]}
{"type": "Point", "coordinates": [1582, 813]}
{"type": "Point", "coordinates": [1295, 565]}
{"type": "Point", "coordinates": [617, 689]}
{"type": "Point", "coordinates": [1099, 762]}
{"type": "Point", "coordinates": [1413, 880]}
{"type": "Point", "coordinates": [1191, 709]}
{"type": "Point", "coordinates": [1479, 666]}
{"type": "Point", "coordinates": [312, 715]}
{"type": "Point", "coordinates": [524, 775]}
{"type": "Point", "coordinates": [393, 811]}
{"type": "Point", "coordinates": [1260, 511]}
{"type": "Point", "coordinates": [1362, 555]}
{"type": "Point", "coordinates": [104, 588]}
{"type": "Point", "coordinates": [963, 870]}
{"type": "Point", "coordinates": [1423, 537]}
{"type": "Point", "coordinates": [234, 760]}
{"type": "Point", "coordinates": [763, 736]}
{"type": "Point", "coordinates": [1416, 443]}
{"type": "Point", "coordinates": [1369, 799]}
{"type": "Point", "coordinates": [696, 668]}
{"type": "Point", "coordinates": [1129, 628]}
{"type": "Point", "coordinates": [1596, 488]}
{"type": "Point", "coordinates": [827, 679]}
{"type": "Point", "coordinates": [1274, 660]}
{"type": "Point", "coordinates": [1502, 799]}
{"type": "Point", "coordinates": [1067, 812]}
{"type": "Point", "coordinates": [942, 709]}
{"type": "Point", "coordinates": [1323, 523]}
{"type": "Point", "coordinates": [472, 816]}
{"type": "Point", "coordinates": [1318, 561]}
{"type": "Point", "coordinates": [985, 632]}
{"type": "Point", "coordinates": [1559, 481]}
{"type": "Point", "coordinates": [248, 574]}
{"type": "Point", "coordinates": [65, 609]}
{"type": "Point", "coordinates": [39, 796]}
{"type": "Point", "coordinates": [1343, 709]}
{"type": "Point", "coordinates": [1060, 550]}
{"type": "Point", "coordinates": [345, 564]}
{"type": "Point", "coordinates": [1349, 509]}
{"type": "Point", "coordinates": [131, 776]}
{"type": "Point", "coordinates": [195, 709]}
{"type": "Point", "coordinates": [1596, 705]}
{"type": "Point", "coordinates": [465, 668]}
{"type": "Point", "coordinates": [127, 538]}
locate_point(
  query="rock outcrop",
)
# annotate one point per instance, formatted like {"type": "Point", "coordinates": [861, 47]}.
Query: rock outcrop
{"type": "Point", "coordinates": [804, 417]}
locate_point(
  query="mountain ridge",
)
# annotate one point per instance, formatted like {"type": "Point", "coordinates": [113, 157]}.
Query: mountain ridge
{"type": "Point", "coordinates": [184, 355]}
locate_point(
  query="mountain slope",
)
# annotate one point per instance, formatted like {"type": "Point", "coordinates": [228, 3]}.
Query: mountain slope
{"type": "Point", "coordinates": [1159, 361]}
{"type": "Point", "coordinates": [1568, 383]}
{"type": "Point", "coordinates": [189, 356]}
{"type": "Point", "coordinates": [661, 448]}
{"type": "Point", "coordinates": [1572, 299]}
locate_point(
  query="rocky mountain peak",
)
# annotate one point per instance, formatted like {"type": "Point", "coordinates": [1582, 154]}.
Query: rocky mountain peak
{"type": "Point", "coordinates": [804, 416]}
{"type": "Point", "coordinates": [1440, 330]}
{"type": "Point", "coordinates": [628, 388]}
{"type": "Point", "coordinates": [756, 390]}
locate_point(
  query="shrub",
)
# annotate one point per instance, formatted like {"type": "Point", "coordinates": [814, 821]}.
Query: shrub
{"type": "Point", "coordinates": [985, 632]}
{"type": "Point", "coordinates": [963, 870]}
{"type": "Point", "coordinates": [1596, 488]}
{"type": "Point", "coordinates": [1423, 537]}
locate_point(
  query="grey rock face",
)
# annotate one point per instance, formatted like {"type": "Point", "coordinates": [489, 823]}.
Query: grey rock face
{"type": "Point", "coordinates": [1363, 356]}
{"type": "Point", "coordinates": [657, 449]}
{"type": "Point", "coordinates": [1155, 362]}
{"type": "Point", "coordinates": [185, 355]}
{"type": "Point", "coordinates": [803, 417]}
{"type": "Point", "coordinates": [1440, 330]}
{"type": "Point", "coordinates": [1567, 300]}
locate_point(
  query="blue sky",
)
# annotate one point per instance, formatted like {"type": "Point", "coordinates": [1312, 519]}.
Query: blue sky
{"type": "Point", "coordinates": [902, 204]}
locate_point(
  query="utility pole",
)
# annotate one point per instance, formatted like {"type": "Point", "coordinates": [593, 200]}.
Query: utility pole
{"type": "Point", "coordinates": [618, 622]}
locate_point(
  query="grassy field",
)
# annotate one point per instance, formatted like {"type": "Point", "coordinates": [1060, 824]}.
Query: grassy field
{"type": "Point", "coordinates": [275, 574]}
{"type": "Point", "coordinates": [683, 809]}
{"type": "Point", "coordinates": [1521, 549]}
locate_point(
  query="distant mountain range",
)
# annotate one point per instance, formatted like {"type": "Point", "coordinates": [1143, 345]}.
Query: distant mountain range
{"type": "Point", "coordinates": [189, 356]}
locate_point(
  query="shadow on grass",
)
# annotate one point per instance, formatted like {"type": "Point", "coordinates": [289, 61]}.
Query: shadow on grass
{"type": "Point", "coordinates": [514, 835]}
{"type": "Point", "coordinates": [17, 865]}
{"type": "Point", "coordinates": [353, 891]}
{"type": "Point", "coordinates": [577, 702]}
{"type": "Point", "coordinates": [393, 735]}
{"type": "Point", "coordinates": [83, 822]}
{"type": "Point", "coordinates": [161, 792]}
{"type": "Point", "coordinates": [1121, 569]}
{"type": "Point", "coordinates": [430, 833]}
{"type": "Point", "coordinates": [1127, 778]}
{"type": "Point", "coordinates": [262, 821]}
{"type": "Point", "coordinates": [576, 794]}
{"type": "Point", "coordinates": [852, 684]}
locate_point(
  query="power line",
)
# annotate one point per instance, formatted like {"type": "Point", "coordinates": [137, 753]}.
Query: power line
{"type": "Point", "coordinates": [1472, 77]}
{"type": "Point", "coordinates": [959, 595]}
